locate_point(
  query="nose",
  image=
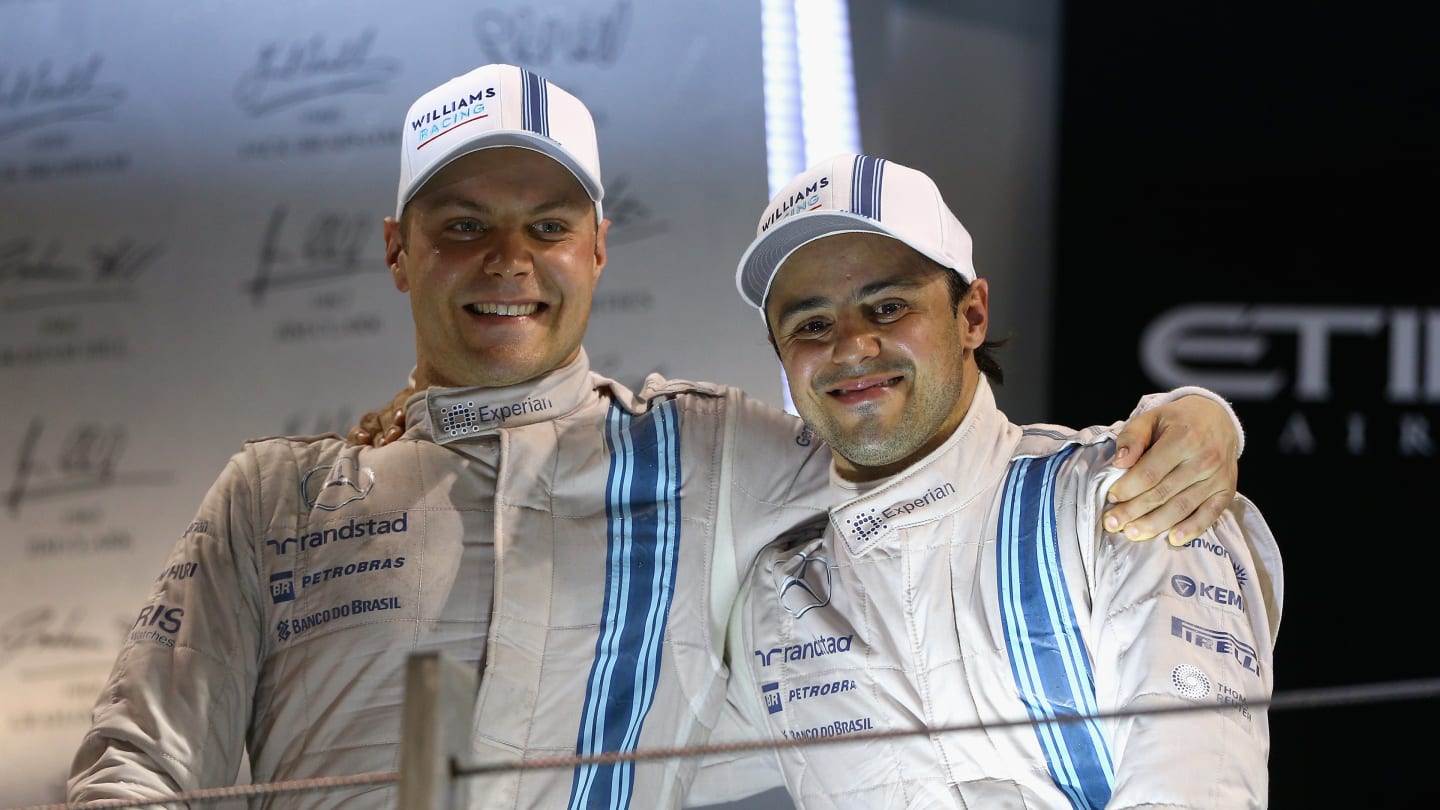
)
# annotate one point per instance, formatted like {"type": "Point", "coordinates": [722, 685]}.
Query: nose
{"type": "Point", "coordinates": [509, 255]}
{"type": "Point", "coordinates": [856, 340]}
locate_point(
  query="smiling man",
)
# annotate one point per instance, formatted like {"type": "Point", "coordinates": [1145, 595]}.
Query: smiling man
{"type": "Point", "coordinates": [965, 577]}
{"type": "Point", "coordinates": [579, 543]}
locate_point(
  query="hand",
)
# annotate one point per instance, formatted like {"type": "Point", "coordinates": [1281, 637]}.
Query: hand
{"type": "Point", "coordinates": [1182, 465]}
{"type": "Point", "coordinates": [381, 427]}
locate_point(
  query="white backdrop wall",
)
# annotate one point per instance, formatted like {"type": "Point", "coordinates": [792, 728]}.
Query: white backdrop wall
{"type": "Point", "coordinates": [191, 255]}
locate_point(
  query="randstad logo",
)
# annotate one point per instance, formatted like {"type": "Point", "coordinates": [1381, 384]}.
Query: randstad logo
{"type": "Point", "coordinates": [819, 646]}
{"type": "Point", "coordinates": [356, 529]}
{"type": "Point", "coordinates": [450, 114]}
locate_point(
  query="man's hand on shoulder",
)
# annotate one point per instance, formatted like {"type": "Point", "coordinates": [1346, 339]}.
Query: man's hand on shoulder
{"type": "Point", "coordinates": [1181, 464]}
{"type": "Point", "coordinates": [379, 428]}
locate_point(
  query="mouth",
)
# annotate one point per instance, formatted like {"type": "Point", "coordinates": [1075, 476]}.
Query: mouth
{"type": "Point", "coordinates": [505, 310]}
{"type": "Point", "coordinates": [863, 388]}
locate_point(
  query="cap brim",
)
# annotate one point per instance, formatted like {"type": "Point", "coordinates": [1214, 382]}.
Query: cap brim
{"type": "Point", "coordinates": [523, 140]}
{"type": "Point", "coordinates": [766, 254]}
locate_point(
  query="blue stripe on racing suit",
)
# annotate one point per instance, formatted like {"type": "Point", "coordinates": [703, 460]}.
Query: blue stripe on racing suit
{"type": "Point", "coordinates": [1047, 656]}
{"type": "Point", "coordinates": [643, 507]}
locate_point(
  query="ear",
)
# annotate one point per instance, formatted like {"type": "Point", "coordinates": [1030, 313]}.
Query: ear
{"type": "Point", "coordinates": [974, 315]}
{"type": "Point", "coordinates": [602, 232]}
{"type": "Point", "coordinates": [395, 254]}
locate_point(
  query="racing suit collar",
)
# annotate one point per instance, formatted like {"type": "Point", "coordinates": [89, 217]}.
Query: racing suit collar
{"type": "Point", "coordinates": [940, 484]}
{"type": "Point", "coordinates": [453, 414]}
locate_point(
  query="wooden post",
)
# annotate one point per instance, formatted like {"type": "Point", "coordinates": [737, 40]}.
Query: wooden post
{"type": "Point", "coordinates": [435, 731]}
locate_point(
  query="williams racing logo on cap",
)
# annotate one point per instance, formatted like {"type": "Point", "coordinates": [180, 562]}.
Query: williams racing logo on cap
{"type": "Point", "coordinates": [802, 200]}
{"type": "Point", "coordinates": [450, 114]}
{"type": "Point", "coordinates": [802, 583]}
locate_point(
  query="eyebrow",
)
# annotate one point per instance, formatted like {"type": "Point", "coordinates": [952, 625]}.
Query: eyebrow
{"type": "Point", "coordinates": [468, 204]}
{"type": "Point", "coordinates": [873, 288]}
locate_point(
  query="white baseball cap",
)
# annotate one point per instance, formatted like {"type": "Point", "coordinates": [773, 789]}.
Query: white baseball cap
{"type": "Point", "coordinates": [851, 193]}
{"type": "Point", "coordinates": [497, 105]}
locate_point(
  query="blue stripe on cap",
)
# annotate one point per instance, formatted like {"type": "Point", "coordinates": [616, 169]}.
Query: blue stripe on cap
{"type": "Point", "coordinates": [643, 507]}
{"type": "Point", "coordinates": [1047, 656]}
{"type": "Point", "coordinates": [865, 186]}
{"type": "Point", "coordinates": [536, 103]}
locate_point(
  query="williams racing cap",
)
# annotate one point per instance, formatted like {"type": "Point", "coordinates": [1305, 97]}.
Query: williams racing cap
{"type": "Point", "coordinates": [497, 105]}
{"type": "Point", "coordinates": [851, 193]}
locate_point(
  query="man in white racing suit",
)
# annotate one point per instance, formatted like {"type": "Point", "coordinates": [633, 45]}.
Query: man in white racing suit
{"type": "Point", "coordinates": [580, 544]}
{"type": "Point", "coordinates": [964, 577]}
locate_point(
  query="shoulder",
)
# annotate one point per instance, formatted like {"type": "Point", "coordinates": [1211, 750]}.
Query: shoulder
{"type": "Point", "coordinates": [277, 458]}
{"type": "Point", "coordinates": [1080, 446]}
{"type": "Point", "coordinates": [698, 394]}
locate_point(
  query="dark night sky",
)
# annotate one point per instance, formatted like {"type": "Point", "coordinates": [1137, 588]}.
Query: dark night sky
{"type": "Point", "coordinates": [1280, 156]}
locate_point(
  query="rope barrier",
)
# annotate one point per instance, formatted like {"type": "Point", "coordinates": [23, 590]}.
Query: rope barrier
{"type": "Point", "coordinates": [1323, 697]}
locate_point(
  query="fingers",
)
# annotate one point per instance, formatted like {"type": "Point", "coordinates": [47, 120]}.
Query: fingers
{"type": "Point", "coordinates": [1180, 519]}
{"type": "Point", "coordinates": [379, 428]}
{"type": "Point", "coordinates": [1182, 504]}
{"type": "Point", "coordinates": [1134, 439]}
{"type": "Point", "coordinates": [368, 427]}
{"type": "Point", "coordinates": [393, 422]}
{"type": "Point", "coordinates": [1170, 487]}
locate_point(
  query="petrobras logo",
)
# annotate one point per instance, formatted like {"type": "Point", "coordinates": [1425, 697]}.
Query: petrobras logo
{"type": "Point", "coordinates": [906, 507]}
{"type": "Point", "coordinates": [1219, 642]}
{"type": "Point", "coordinates": [351, 569]}
{"type": "Point", "coordinates": [771, 693]}
{"type": "Point", "coordinates": [282, 587]}
{"type": "Point", "coordinates": [803, 583]}
{"type": "Point", "coordinates": [346, 483]}
{"type": "Point", "coordinates": [798, 202]}
{"type": "Point", "coordinates": [1207, 592]}
{"type": "Point", "coordinates": [356, 529]}
{"type": "Point", "coordinates": [818, 647]}
{"type": "Point", "coordinates": [815, 690]}
{"type": "Point", "coordinates": [461, 109]}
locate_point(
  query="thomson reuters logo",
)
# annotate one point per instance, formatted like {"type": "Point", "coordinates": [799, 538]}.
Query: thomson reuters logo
{"type": "Point", "coordinates": [1190, 682]}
